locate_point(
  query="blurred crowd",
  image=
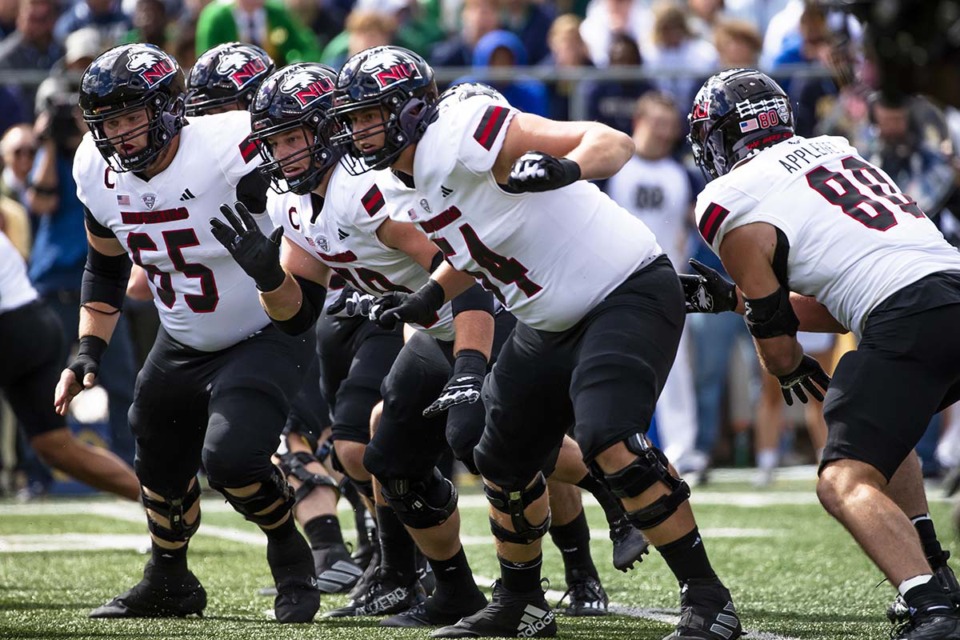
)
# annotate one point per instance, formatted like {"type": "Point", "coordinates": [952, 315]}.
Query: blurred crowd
{"type": "Point", "coordinates": [717, 409]}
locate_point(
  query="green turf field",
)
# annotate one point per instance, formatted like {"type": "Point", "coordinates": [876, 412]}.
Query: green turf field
{"type": "Point", "coordinates": [793, 572]}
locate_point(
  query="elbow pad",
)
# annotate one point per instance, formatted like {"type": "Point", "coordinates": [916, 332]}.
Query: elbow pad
{"type": "Point", "coordinates": [476, 298]}
{"type": "Point", "coordinates": [105, 278]}
{"type": "Point", "coordinates": [772, 316]}
{"type": "Point", "coordinates": [314, 295]}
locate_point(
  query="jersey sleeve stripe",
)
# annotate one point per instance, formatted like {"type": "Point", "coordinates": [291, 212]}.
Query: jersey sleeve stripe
{"type": "Point", "coordinates": [346, 256]}
{"type": "Point", "coordinates": [372, 201]}
{"type": "Point", "coordinates": [441, 221]}
{"type": "Point", "coordinates": [711, 221]}
{"type": "Point", "coordinates": [248, 150]}
{"type": "Point", "coordinates": [490, 126]}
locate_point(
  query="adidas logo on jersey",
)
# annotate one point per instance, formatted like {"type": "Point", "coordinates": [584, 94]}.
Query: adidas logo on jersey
{"type": "Point", "coordinates": [187, 195]}
{"type": "Point", "coordinates": [343, 235]}
{"type": "Point", "coordinates": [534, 619]}
{"type": "Point", "coordinates": [444, 191]}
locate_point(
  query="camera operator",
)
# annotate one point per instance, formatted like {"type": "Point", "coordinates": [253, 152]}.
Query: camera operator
{"type": "Point", "coordinates": [59, 251]}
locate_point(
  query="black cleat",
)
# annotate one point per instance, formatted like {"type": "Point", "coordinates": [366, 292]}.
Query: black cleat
{"type": "Point", "coordinates": [430, 614]}
{"type": "Point", "coordinates": [384, 595]}
{"type": "Point", "coordinates": [512, 615]}
{"type": "Point", "coordinates": [336, 570]}
{"type": "Point", "coordinates": [298, 598]}
{"type": "Point", "coordinates": [629, 545]}
{"type": "Point", "coordinates": [368, 573]}
{"type": "Point", "coordinates": [900, 612]}
{"type": "Point", "coordinates": [929, 625]}
{"type": "Point", "coordinates": [425, 572]}
{"type": "Point", "coordinates": [587, 597]}
{"type": "Point", "coordinates": [706, 613]}
{"type": "Point", "coordinates": [158, 595]}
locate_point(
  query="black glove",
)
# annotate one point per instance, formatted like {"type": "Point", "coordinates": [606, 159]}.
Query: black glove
{"type": "Point", "coordinates": [803, 377]}
{"type": "Point", "coordinates": [536, 171]}
{"type": "Point", "coordinates": [464, 386]}
{"type": "Point", "coordinates": [256, 254]}
{"type": "Point", "coordinates": [708, 292]}
{"type": "Point", "coordinates": [419, 307]}
{"type": "Point", "coordinates": [352, 303]}
{"type": "Point", "coordinates": [88, 358]}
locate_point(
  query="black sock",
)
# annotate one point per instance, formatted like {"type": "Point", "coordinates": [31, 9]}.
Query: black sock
{"type": "Point", "coordinates": [928, 596]}
{"type": "Point", "coordinates": [286, 549]}
{"type": "Point", "coordinates": [169, 560]}
{"type": "Point", "coordinates": [611, 505]}
{"type": "Point", "coordinates": [521, 577]}
{"type": "Point", "coordinates": [397, 549]}
{"type": "Point", "coordinates": [687, 558]}
{"type": "Point", "coordinates": [928, 538]}
{"type": "Point", "coordinates": [454, 578]}
{"type": "Point", "coordinates": [323, 531]}
{"type": "Point", "coordinates": [573, 540]}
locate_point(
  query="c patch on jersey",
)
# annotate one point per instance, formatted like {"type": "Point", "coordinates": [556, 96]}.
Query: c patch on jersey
{"type": "Point", "coordinates": [491, 123]}
{"type": "Point", "coordinates": [372, 201]}
{"type": "Point", "coordinates": [710, 223]}
{"type": "Point", "coordinates": [248, 149]}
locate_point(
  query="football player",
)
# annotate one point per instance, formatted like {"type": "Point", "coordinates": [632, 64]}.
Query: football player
{"type": "Point", "coordinates": [217, 384]}
{"type": "Point", "coordinates": [818, 239]}
{"type": "Point", "coordinates": [599, 310]}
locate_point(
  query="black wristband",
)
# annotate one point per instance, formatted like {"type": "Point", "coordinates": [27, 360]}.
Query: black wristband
{"type": "Point", "coordinates": [92, 346]}
{"type": "Point", "coordinates": [571, 170]}
{"type": "Point", "coordinates": [272, 281]}
{"type": "Point", "coordinates": [470, 361]}
{"type": "Point", "coordinates": [432, 294]}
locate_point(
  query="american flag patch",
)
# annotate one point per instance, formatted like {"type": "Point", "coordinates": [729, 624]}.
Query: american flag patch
{"type": "Point", "coordinates": [123, 200]}
{"type": "Point", "coordinates": [749, 125]}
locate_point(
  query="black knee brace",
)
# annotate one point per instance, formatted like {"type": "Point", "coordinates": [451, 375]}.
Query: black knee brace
{"type": "Point", "coordinates": [254, 507]}
{"type": "Point", "coordinates": [513, 502]}
{"type": "Point", "coordinates": [295, 464]}
{"type": "Point", "coordinates": [650, 467]}
{"type": "Point", "coordinates": [173, 509]}
{"type": "Point", "coordinates": [421, 503]}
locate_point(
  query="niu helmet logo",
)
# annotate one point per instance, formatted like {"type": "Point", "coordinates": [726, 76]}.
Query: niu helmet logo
{"type": "Point", "coordinates": [390, 69]}
{"type": "Point", "coordinates": [240, 68]}
{"type": "Point", "coordinates": [701, 111]}
{"type": "Point", "coordinates": [305, 87]}
{"type": "Point", "coordinates": [152, 67]}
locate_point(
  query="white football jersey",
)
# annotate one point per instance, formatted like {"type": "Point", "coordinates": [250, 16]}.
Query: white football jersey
{"type": "Point", "coordinates": [15, 287]}
{"type": "Point", "coordinates": [343, 235]}
{"type": "Point", "coordinates": [548, 257]}
{"type": "Point", "coordinates": [657, 192]}
{"type": "Point", "coordinates": [204, 298]}
{"type": "Point", "coordinates": [855, 238]}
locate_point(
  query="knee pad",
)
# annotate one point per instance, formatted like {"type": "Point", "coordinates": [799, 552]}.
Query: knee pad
{"type": "Point", "coordinates": [513, 502]}
{"type": "Point", "coordinates": [173, 509]}
{"type": "Point", "coordinates": [257, 507]}
{"type": "Point", "coordinates": [421, 503]}
{"type": "Point", "coordinates": [650, 467]}
{"type": "Point", "coordinates": [295, 465]}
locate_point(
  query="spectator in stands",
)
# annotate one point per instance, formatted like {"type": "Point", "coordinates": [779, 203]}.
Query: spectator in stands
{"type": "Point", "coordinates": [675, 47]}
{"type": "Point", "coordinates": [81, 47]}
{"type": "Point", "coordinates": [612, 103]}
{"type": "Point", "coordinates": [265, 23]}
{"type": "Point", "coordinates": [325, 19]}
{"type": "Point", "coordinates": [567, 50]}
{"type": "Point", "coordinates": [106, 16]}
{"type": "Point", "coordinates": [59, 251]}
{"type": "Point", "coordinates": [503, 49]}
{"type": "Point", "coordinates": [32, 46]}
{"type": "Point", "coordinates": [150, 24]}
{"type": "Point", "coordinates": [18, 148]}
{"type": "Point", "coordinates": [531, 21]}
{"type": "Point", "coordinates": [704, 17]}
{"type": "Point", "coordinates": [8, 17]}
{"type": "Point", "coordinates": [607, 19]}
{"type": "Point", "coordinates": [13, 108]}
{"type": "Point", "coordinates": [410, 29]}
{"type": "Point", "coordinates": [782, 31]}
{"type": "Point", "coordinates": [738, 44]}
{"type": "Point", "coordinates": [477, 19]}
{"type": "Point", "coordinates": [364, 29]}
{"type": "Point", "coordinates": [814, 38]}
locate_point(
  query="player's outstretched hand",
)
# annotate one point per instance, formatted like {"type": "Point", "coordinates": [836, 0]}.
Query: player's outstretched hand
{"type": "Point", "coordinates": [708, 292]}
{"type": "Point", "coordinates": [808, 375]}
{"type": "Point", "coordinates": [81, 374]}
{"type": "Point", "coordinates": [257, 255]}
{"type": "Point", "coordinates": [419, 307]}
{"type": "Point", "coordinates": [537, 171]}
{"type": "Point", "coordinates": [352, 303]}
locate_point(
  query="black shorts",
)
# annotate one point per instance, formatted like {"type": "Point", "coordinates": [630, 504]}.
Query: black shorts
{"type": "Point", "coordinates": [309, 414]}
{"type": "Point", "coordinates": [355, 356]}
{"type": "Point", "coordinates": [229, 406]}
{"type": "Point", "coordinates": [905, 369]}
{"type": "Point", "coordinates": [603, 376]}
{"type": "Point", "coordinates": [31, 359]}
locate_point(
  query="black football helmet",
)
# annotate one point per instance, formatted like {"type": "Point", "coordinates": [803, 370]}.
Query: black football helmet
{"type": "Point", "coordinates": [737, 113]}
{"type": "Point", "coordinates": [227, 76]}
{"type": "Point", "coordinates": [125, 79]}
{"type": "Point", "coordinates": [298, 97]}
{"type": "Point", "coordinates": [401, 85]}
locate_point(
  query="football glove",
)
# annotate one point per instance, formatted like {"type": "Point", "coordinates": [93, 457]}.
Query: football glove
{"type": "Point", "coordinates": [257, 255]}
{"type": "Point", "coordinates": [708, 292]}
{"type": "Point", "coordinates": [419, 307]}
{"type": "Point", "coordinates": [88, 358]}
{"type": "Point", "coordinates": [352, 303]}
{"type": "Point", "coordinates": [464, 386]}
{"type": "Point", "coordinates": [536, 171]}
{"type": "Point", "coordinates": [808, 375]}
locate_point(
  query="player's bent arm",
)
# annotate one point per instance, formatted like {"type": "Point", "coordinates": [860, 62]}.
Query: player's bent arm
{"type": "Point", "coordinates": [410, 240]}
{"type": "Point", "coordinates": [599, 150]}
{"type": "Point", "coordinates": [747, 255]}
{"type": "Point", "coordinates": [813, 316]}
{"type": "Point", "coordinates": [295, 305]}
{"type": "Point", "coordinates": [474, 331]}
